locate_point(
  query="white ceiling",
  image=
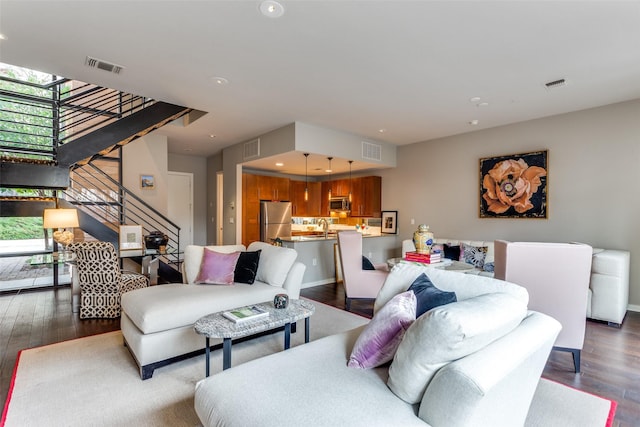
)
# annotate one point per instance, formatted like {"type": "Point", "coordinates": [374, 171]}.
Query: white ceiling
{"type": "Point", "coordinates": [409, 67]}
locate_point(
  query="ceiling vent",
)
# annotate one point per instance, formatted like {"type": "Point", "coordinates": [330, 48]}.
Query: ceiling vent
{"type": "Point", "coordinates": [103, 65]}
{"type": "Point", "coordinates": [371, 151]}
{"type": "Point", "coordinates": [556, 84]}
{"type": "Point", "coordinates": [251, 149]}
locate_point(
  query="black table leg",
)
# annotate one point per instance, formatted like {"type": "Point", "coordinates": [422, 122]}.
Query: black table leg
{"type": "Point", "coordinates": [306, 329]}
{"type": "Point", "coordinates": [207, 352]}
{"type": "Point", "coordinates": [226, 353]}
{"type": "Point", "coordinates": [287, 336]}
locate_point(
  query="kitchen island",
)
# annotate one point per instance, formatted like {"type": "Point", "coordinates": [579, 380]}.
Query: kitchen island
{"type": "Point", "coordinates": [318, 254]}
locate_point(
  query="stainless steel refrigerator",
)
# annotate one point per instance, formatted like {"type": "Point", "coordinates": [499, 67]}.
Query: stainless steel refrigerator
{"type": "Point", "coordinates": [275, 220]}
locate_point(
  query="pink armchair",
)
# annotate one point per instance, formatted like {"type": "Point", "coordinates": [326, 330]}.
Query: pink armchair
{"type": "Point", "coordinates": [358, 283]}
{"type": "Point", "coordinates": [557, 277]}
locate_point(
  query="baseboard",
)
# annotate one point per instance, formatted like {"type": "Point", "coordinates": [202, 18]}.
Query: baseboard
{"type": "Point", "coordinates": [317, 283]}
{"type": "Point", "coordinates": [633, 307]}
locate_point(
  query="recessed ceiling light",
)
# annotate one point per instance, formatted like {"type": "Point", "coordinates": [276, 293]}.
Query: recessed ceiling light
{"type": "Point", "coordinates": [474, 99]}
{"type": "Point", "coordinates": [474, 122]}
{"type": "Point", "coordinates": [482, 104]}
{"type": "Point", "coordinates": [382, 130]}
{"type": "Point", "coordinates": [212, 136]}
{"type": "Point", "coordinates": [271, 9]}
{"type": "Point", "coordinates": [328, 170]}
{"type": "Point", "coordinates": [220, 80]}
{"type": "Point", "coordinates": [279, 164]}
{"type": "Point", "coordinates": [3, 37]}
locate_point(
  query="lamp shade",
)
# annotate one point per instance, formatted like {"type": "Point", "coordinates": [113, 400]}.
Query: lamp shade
{"type": "Point", "coordinates": [60, 218]}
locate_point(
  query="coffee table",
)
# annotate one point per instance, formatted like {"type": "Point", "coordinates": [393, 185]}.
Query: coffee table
{"type": "Point", "coordinates": [215, 325]}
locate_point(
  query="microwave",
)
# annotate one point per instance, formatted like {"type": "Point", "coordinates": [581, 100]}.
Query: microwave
{"type": "Point", "coordinates": [339, 204]}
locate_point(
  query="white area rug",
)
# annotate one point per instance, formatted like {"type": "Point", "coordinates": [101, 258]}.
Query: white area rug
{"type": "Point", "coordinates": [94, 382]}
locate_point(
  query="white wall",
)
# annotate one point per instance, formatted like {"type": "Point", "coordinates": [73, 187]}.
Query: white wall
{"type": "Point", "coordinates": [198, 167]}
{"type": "Point", "coordinates": [594, 168]}
{"type": "Point", "coordinates": [147, 156]}
{"type": "Point", "coordinates": [331, 142]}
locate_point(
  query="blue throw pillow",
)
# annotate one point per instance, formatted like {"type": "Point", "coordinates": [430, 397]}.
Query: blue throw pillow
{"type": "Point", "coordinates": [428, 295]}
{"type": "Point", "coordinates": [247, 267]}
{"type": "Point", "coordinates": [366, 264]}
{"type": "Point", "coordinates": [452, 252]}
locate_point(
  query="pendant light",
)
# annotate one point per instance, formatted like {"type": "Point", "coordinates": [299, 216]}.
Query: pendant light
{"type": "Point", "coordinates": [306, 178]}
{"type": "Point", "coordinates": [350, 161]}
{"type": "Point", "coordinates": [329, 170]}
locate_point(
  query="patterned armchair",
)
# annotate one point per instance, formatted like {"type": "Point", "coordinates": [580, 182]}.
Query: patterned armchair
{"type": "Point", "coordinates": [101, 280]}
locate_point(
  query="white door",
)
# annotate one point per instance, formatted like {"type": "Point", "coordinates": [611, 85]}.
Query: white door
{"type": "Point", "coordinates": [180, 209]}
{"type": "Point", "coordinates": [219, 213]}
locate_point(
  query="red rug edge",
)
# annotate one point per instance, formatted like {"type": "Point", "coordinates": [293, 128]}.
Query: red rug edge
{"type": "Point", "coordinates": [10, 392]}
{"type": "Point", "coordinates": [612, 407]}
{"type": "Point", "coordinates": [612, 411]}
{"type": "Point", "coordinates": [5, 410]}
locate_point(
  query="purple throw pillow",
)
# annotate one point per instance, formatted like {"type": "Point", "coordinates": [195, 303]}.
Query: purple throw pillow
{"type": "Point", "coordinates": [379, 340]}
{"type": "Point", "coordinates": [217, 268]}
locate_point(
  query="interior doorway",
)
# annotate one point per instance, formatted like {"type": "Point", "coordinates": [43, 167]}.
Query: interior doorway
{"type": "Point", "coordinates": [219, 205]}
{"type": "Point", "coordinates": [180, 209]}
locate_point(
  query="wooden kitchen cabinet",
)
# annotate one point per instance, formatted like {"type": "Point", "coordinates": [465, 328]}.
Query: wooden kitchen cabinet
{"type": "Point", "coordinates": [273, 188]}
{"type": "Point", "coordinates": [250, 209]}
{"type": "Point", "coordinates": [324, 198]}
{"type": "Point", "coordinates": [300, 207]}
{"type": "Point", "coordinates": [366, 198]}
{"type": "Point", "coordinates": [340, 188]}
{"type": "Point", "coordinates": [366, 195]}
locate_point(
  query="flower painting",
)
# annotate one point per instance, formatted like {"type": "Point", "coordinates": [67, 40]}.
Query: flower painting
{"type": "Point", "coordinates": [514, 186]}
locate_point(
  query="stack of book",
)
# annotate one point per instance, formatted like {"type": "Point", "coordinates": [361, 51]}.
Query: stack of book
{"type": "Point", "coordinates": [246, 314]}
{"type": "Point", "coordinates": [430, 258]}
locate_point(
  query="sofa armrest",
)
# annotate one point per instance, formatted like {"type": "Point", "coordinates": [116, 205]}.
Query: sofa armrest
{"type": "Point", "coordinates": [293, 282]}
{"type": "Point", "coordinates": [502, 375]}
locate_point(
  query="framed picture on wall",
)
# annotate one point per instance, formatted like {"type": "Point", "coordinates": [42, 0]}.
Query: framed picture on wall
{"type": "Point", "coordinates": [147, 182]}
{"type": "Point", "coordinates": [514, 186]}
{"type": "Point", "coordinates": [389, 222]}
{"type": "Point", "coordinates": [130, 237]}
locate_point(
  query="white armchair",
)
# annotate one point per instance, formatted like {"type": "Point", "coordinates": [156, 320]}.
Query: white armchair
{"type": "Point", "coordinates": [358, 283]}
{"type": "Point", "coordinates": [557, 278]}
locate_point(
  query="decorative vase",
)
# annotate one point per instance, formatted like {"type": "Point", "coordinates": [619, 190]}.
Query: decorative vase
{"type": "Point", "coordinates": [423, 239]}
{"type": "Point", "coordinates": [155, 240]}
{"type": "Point", "coordinates": [281, 301]}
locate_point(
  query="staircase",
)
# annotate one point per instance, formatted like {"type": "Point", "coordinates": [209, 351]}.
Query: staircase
{"type": "Point", "coordinates": [53, 135]}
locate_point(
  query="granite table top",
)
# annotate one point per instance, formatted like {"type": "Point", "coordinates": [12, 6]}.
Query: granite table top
{"type": "Point", "coordinates": [215, 325]}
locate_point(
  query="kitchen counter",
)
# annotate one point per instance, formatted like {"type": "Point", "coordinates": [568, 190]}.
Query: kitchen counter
{"type": "Point", "coordinates": [318, 253]}
{"type": "Point", "coordinates": [311, 237]}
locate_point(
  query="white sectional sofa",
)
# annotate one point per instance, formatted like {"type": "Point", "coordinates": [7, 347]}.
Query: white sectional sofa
{"type": "Point", "coordinates": [609, 286]}
{"type": "Point", "coordinates": [157, 322]}
{"type": "Point", "coordinates": [491, 384]}
{"type": "Point", "coordinates": [488, 259]}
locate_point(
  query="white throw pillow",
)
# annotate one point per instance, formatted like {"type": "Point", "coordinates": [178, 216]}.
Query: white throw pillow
{"type": "Point", "coordinates": [275, 262]}
{"type": "Point", "coordinates": [448, 333]}
{"type": "Point", "coordinates": [464, 285]}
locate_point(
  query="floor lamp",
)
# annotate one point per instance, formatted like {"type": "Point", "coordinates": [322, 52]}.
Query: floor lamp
{"type": "Point", "coordinates": [62, 221]}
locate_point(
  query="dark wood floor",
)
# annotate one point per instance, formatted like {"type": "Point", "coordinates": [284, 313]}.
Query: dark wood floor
{"type": "Point", "coordinates": [610, 358]}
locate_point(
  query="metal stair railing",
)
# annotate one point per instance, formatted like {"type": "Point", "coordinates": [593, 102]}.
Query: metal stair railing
{"type": "Point", "coordinates": [96, 193]}
{"type": "Point", "coordinates": [36, 118]}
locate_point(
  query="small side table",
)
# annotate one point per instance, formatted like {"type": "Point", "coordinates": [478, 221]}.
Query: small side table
{"type": "Point", "coordinates": [217, 326]}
